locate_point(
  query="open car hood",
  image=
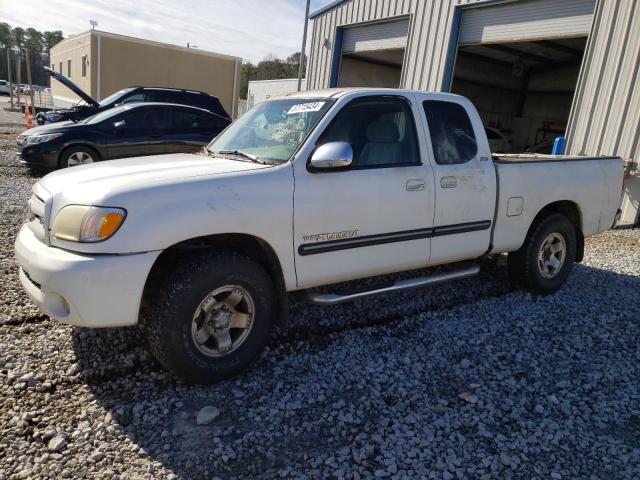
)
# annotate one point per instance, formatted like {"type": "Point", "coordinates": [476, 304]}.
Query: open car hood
{"type": "Point", "coordinates": [72, 86]}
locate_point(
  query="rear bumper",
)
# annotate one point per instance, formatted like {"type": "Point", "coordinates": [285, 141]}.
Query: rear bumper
{"type": "Point", "coordinates": [88, 291]}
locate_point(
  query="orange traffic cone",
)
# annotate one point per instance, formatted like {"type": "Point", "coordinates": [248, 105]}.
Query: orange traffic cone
{"type": "Point", "coordinates": [27, 115]}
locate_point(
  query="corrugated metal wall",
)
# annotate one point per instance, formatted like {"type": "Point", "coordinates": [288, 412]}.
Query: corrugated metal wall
{"type": "Point", "coordinates": [606, 114]}
{"type": "Point", "coordinates": [605, 119]}
{"type": "Point", "coordinates": [426, 52]}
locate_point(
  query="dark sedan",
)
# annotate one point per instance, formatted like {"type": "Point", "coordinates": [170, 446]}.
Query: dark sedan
{"type": "Point", "coordinates": [130, 130]}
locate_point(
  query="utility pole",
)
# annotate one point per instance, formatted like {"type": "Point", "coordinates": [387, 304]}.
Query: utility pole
{"type": "Point", "coordinates": [33, 107]}
{"type": "Point", "coordinates": [304, 45]}
{"type": "Point", "coordinates": [9, 75]}
{"type": "Point", "coordinates": [18, 76]}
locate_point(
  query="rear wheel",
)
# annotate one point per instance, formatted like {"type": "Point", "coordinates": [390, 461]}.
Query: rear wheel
{"type": "Point", "coordinates": [545, 260]}
{"type": "Point", "coordinates": [211, 317]}
{"type": "Point", "coordinates": [75, 156]}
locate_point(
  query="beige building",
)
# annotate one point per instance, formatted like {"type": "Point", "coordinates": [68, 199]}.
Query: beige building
{"type": "Point", "coordinates": [102, 63]}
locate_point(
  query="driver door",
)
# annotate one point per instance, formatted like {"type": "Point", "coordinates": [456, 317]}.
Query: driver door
{"type": "Point", "coordinates": [374, 217]}
{"type": "Point", "coordinates": [144, 133]}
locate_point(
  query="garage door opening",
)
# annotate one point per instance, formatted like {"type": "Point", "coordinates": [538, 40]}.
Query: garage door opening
{"type": "Point", "coordinates": [372, 55]}
{"type": "Point", "coordinates": [381, 68]}
{"type": "Point", "coordinates": [523, 91]}
{"type": "Point", "coordinates": [519, 63]}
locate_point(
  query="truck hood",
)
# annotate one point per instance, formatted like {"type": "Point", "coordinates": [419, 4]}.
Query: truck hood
{"type": "Point", "coordinates": [72, 86]}
{"type": "Point", "coordinates": [98, 180]}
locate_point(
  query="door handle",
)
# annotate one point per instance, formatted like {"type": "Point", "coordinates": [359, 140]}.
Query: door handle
{"type": "Point", "coordinates": [448, 182]}
{"type": "Point", "coordinates": [415, 185]}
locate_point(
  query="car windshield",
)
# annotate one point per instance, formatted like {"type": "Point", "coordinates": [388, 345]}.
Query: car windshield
{"type": "Point", "coordinates": [102, 116]}
{"type": "Point", "coordinates": [114, 96]}
{"type": "Point", "coordinates": [272, 130]}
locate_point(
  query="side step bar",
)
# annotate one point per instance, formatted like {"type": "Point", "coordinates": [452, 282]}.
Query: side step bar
{"type": "Point", "coordinates": [333, 298]}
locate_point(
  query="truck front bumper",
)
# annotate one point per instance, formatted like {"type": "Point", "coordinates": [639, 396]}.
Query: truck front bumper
{"type": "Point", "coordinates": [84, 290]}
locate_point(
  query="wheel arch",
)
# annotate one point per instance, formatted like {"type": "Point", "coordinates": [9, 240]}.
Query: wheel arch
{"type": "Point", "coordinates": [253, 247]}
{"type": "Point", "coordinates": [79, 144]}
{"type": "Point", "coordinates": [572, 212]}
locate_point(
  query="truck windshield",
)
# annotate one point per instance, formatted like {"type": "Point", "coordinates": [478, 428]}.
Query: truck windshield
{"type": "Point", "coordinates": [272, 130]}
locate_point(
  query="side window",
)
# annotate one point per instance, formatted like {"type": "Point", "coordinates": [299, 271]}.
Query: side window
{"type": "Point", "coordinates": [136, 97]}
{"type": "Point", "coordinates": [186, 121]}
{"type": "Point", "coordinates": [381, 131]}
{"type": "Point", "coordinates": [147, 121]}
{"type": "Point", "coordinates": [451, 132]}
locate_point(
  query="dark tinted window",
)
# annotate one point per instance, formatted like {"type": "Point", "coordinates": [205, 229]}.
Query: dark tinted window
{"type": "Point", "coordinates": [136, 97]}
{"type": "Point", "coordinates": [381, 131]}
{"type": "Point", "coordinates": [213, 104]}
{"type": "Point", "coordinates": [148, 121]}
{"type": "Point", "coordinates": [192, 99]}
{"type": "Point", "coordinates": [451, 132]}
{"type": "Point", "coordinates": [183, 120]}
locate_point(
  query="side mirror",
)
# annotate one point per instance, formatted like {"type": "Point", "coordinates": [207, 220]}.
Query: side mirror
{"type": "Point", "coordinates": [332, 155]}
{"type": "Point", "coordinates": [118, 127]}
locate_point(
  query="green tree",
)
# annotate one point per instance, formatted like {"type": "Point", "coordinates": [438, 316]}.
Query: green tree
{"type": "Point", "coordinates": [18, 37]}
{"type": "Point", "coordinates": [6, 41]}
{"type": "Point", "coordinates": [52, 38]}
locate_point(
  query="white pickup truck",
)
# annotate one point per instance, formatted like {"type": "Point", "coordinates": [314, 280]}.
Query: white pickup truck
{"type": "Point", "coordinates": [302, 191]}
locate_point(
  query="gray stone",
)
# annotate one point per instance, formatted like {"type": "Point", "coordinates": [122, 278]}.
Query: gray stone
{"type": "Point", "coordinates": [207, 415]}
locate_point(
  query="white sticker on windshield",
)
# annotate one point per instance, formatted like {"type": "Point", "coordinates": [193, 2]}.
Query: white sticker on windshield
{"type": "Point", "coordinates": [306, 107]}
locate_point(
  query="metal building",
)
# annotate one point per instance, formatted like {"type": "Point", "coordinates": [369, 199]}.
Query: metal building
{"type": "Point", "coordinates": [536, 69]}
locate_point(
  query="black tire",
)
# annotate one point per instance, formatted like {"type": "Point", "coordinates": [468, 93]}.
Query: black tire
{"type": "Point", "coordinates": [82, 150]}
{"type": "Point", "coordinates": [170, 310]}
{"type": "Point", "coordinates": [523, 265]}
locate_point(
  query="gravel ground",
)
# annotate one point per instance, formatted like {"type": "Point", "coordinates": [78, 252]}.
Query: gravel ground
{"type": "Point", "coordinates": [466, 380]}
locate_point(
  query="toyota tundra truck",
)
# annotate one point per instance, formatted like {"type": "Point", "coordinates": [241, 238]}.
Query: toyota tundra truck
{"type": "Point", "coordinates": [308, 190]}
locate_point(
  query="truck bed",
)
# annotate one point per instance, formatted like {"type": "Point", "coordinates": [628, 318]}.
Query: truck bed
{"type": "Point", "coordinates": [539, 157]}
{"type": "Point", "coordinates": [534, 181]}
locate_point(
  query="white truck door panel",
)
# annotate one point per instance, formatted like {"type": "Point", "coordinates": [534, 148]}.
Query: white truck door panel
{"type": "Point", "coordinates": [375, 217]}
{"type": "Point", "coordinates": [465, 179]}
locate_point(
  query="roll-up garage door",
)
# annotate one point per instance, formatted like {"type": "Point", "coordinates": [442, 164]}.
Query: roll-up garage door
{"type": "Point", "coordinates": [379, 36]}
{"type": "Point", "coordinates": [526, 20]}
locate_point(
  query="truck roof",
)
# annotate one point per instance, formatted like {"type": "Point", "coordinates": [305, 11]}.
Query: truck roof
{"type": "Point", "coordinates": [342, 91]}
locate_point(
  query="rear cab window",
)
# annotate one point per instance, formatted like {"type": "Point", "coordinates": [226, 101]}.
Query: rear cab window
{"type": "Point", "coordinates": [452, 137]}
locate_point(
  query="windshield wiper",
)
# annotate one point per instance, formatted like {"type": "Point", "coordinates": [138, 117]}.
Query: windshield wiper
{"type": "Point", "coordinates": [240, 153]}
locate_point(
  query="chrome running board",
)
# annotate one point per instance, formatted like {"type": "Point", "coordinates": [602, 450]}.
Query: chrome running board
{"type": "Point", "coordinates": [334, 298]}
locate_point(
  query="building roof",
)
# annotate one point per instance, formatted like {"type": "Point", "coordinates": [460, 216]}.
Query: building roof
{"type": "Point", "coordinates": [195, 51]}
{"type": "Point", "coordinates": [328, 6]}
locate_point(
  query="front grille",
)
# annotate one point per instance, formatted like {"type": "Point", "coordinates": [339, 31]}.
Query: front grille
{"type": "Point", "coordinates": [36, 214]}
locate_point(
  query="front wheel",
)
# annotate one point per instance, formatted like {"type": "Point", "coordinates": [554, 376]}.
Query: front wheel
{"type": "Point", "coordinates": [74, 156]}
{"type": "Point", "coordinates": [546, 259]}
{"type": "Point", "coordinates": [211, 317]}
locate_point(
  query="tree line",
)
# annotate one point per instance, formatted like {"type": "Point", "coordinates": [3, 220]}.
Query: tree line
{"type": "Point", "coordinates": [271, 68]}
{"type": "Point", "coordinates": [17, 40]}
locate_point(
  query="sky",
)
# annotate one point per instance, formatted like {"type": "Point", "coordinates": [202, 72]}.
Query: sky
{"type": "Point", "coordinates": [250, 29]}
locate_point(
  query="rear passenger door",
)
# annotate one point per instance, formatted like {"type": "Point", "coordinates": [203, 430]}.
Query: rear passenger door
{"type": "Point", "coordinates": [191, 129]}
{"type": "Point", "coordinates": [465, 180]}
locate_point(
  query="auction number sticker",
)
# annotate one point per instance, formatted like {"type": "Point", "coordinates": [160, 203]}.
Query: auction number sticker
{"type": "Point", "coordinates": [306, 107]}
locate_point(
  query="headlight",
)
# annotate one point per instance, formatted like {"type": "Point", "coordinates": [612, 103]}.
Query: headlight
{"type": "Point", "coordinates": [81, 223]}
{"type": "Point", "coordinates": [33, 139]}
{"type": "Point", "coordinates": [53, 117]}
